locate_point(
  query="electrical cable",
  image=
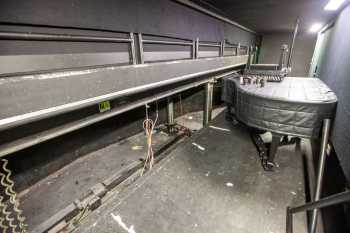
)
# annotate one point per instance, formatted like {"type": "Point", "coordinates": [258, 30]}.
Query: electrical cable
{"type": "Point", "coordinates": [4, 214]}
{"type": "Point", "coordinates": [8, 185]}
{"type": "Point", "coordinates": [148, 126]}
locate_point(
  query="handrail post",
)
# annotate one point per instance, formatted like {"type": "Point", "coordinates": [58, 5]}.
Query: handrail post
{"type": "Point", "coordinates": [321, 165]}
{"type": "Point", "coordinates": [141, 49]}
{"type": "Point", "coordinates": [132, 49]}
{"type": "Point", "coordinates": [222, 48]}
{"type": "Point", "coordinates": [197, 48]}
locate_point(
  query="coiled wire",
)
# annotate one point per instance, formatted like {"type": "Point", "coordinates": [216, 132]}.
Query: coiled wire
{"type": "Point", "coordinates": [14, 217]}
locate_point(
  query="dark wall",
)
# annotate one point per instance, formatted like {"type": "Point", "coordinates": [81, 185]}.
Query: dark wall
{"type": "Point", "coordinates": [303, 50]}
{"type": "Point", "coordinates": [335, 71]}
{"type": "Point", "coordinates": [160, 17]}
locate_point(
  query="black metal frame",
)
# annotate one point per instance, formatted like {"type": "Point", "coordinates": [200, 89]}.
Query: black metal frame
{"type": "Point", "coordinates": [321, 203]}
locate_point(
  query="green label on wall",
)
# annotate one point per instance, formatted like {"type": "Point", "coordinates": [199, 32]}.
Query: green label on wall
{"type": "Point", "coordinates": [104, 106]}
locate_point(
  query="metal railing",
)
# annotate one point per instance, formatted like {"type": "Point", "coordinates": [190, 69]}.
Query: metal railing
{"type": "Point", "coordinates": [321, 203]}
{"type": "Point", "coordinates": [70, 38]}
{"type": "Point", "coordinates": [194, 44]}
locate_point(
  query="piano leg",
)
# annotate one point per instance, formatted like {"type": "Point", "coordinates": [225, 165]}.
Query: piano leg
{"type": "Point", "coordinates": [270, 163]}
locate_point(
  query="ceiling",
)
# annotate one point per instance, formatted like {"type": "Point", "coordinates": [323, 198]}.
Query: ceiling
{"type": "Point", "coordinates": [271, 15]}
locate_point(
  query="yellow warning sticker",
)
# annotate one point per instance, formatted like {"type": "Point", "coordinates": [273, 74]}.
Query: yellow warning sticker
{"type": "Point", "coordinates": [104, 106]}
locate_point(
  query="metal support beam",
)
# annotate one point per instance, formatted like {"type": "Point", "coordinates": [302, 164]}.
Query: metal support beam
{"type": "Point", "coordinates": [132, 49]}
{"type": "Point", "coordinates": [208, 102]}
{"type": "Point", "coordinates": [170, 115]}
{"type": "Point", "coordinates": [193, 50]}
{"type": "Point", "coordinates": [321, 165]}
{"type": "Point", "coordinates": [196, 51]}
{"type": "Point", "coordinates": [222, 48]}
{"type": "Point", "coordinates": [141, 58]}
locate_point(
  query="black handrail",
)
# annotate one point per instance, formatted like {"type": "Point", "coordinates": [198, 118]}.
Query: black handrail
{"type": "Point", "coordinates": [324, 202]}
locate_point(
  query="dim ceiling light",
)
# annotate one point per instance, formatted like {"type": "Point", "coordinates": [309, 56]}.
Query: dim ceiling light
{"type": "Point", "coordinates": [315, 27]}
{"type": "Point", "coordinates": [333, 5]}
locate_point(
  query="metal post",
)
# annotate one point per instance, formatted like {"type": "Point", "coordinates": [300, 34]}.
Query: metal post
{"type": "Point", "coordinates": [194, 49]}
{"type": "Point", "coordinates": [289, 64]}
{"type": "Point", "coordinates": [197, 48]}
{"type": "Point", "coordinates": [238, 49]}
{"type": "Point", "coordinates": [141, 48]}
{"type": "Point", "coordinates": [170, 114]}
{"type": "Point", "coordinates": [321, 164]}
{"type": "Point", "coordinates": [282, 60]}
{"type": "Point", "coordinates": [208, 102]}
{"type": "Point", "coordinates": [255, 61]}
{"type": "Point", "coordinates": [222, 48]}
{"type": "Point", "coordinates": [132, 49]}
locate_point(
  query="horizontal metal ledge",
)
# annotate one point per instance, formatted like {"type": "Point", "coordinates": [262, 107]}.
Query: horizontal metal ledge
{"type": "Point", "coordinates": [59, 37]}
{"type": "Point", "coordinates": [209, 45]}
{"type": "Point", "coordinates": [24, 99]}
{"type": "Point", "coordinates": [231, 46]}
{"type": "Point", "coordinates": [167, 42]}
{"type": "Point", "coordinates": [43, 136]}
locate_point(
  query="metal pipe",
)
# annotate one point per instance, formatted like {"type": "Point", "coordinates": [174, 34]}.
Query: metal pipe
{"type": "Point", "coordinates": [209, 45]}
{"type": "Point", "coordinates": [141, 58]}
{"type": "Point", "coordinates": [231, 46]}
{"type": "Point", "coordinates": [289, 63]}
{"type": "Point", "coordinates": [238, 49]}
{"type": "Point", "coordinates": [210, 13]}
{"type": "Point", "coordinates": [208, 102]}
{"type": "Point", "coordinates": [170, 114]}
{"type": "Point", "coordinates": [26, 142]}
{"type": "Point", "coordinates": [324, 202]}
{"type": "Point", "coordinates": [321, 165]}
{"type": "Point", "coordinates": [167, 42]}
{"type": "Point", "coordinates": [59, 37]}
{"type": "Point", "coordinates": [132, 49]}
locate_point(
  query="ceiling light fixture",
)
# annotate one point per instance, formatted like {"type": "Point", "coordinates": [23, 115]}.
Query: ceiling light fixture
{"type": "Point", "coordinates": [334, 5]}
{"type": "Point", "coordinates": [315, 27]}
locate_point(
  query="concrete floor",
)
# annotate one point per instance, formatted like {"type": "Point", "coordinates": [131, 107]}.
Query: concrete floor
{"type": "Point", "coordinates": [194, 120]}
{"type": "Point", "coordinates": [52, 194]}
{"type": "Point", "coordinates": [214, 185]}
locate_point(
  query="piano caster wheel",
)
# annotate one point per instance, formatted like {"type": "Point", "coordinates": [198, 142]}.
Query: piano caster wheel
{"type": "Point", "coordinates": [269, 166]}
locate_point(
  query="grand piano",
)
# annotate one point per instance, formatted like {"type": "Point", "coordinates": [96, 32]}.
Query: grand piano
{"type": "Point", "coordinates": [295, 106]}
